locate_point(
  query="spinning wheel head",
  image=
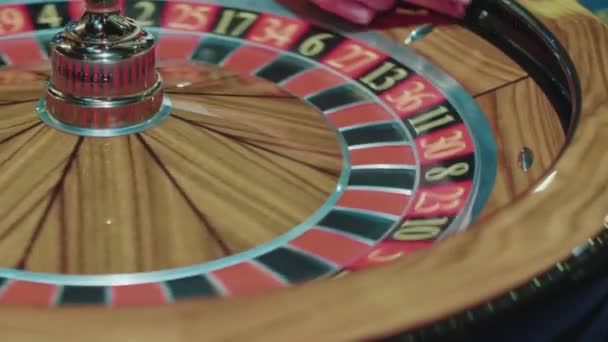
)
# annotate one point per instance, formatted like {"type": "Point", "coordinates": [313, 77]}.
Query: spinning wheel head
{"type": "Point", "coordinates": [230, 148]}
{"type": "Point", "coordinates": [289, 152]}
{"type": "Point", "coordinates": [103, 79]}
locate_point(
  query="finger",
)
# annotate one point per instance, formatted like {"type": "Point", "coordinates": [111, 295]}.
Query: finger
{"type": "Point", "coordinates": [455, 8]}
{"type": "Point", "coordinates": [348, 9]}
{"type": "Point", "coordinates": [378, 5]}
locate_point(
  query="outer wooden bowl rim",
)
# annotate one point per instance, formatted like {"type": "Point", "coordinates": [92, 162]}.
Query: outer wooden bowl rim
{"type": "Point", "coordinates": [515, 246]}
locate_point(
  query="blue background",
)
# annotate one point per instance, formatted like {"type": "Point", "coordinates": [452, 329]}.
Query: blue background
{"type": "Point", "coordinates": [596, 6]}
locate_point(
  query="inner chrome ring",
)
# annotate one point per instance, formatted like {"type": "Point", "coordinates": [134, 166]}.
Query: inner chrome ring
{"type": "Point", "coordinates": [106, 102]}
{"type": "Point", "coordinates": [158, 118]}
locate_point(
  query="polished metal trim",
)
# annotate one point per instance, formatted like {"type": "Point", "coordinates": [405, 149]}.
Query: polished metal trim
{"type": "Point", "coordinates": [156, 119]}
{"type": "Point", "coordinates": [113, 102]}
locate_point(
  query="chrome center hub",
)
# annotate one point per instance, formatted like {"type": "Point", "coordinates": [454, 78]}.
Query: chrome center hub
{"type": "Point", "coordinates": [103, 75]}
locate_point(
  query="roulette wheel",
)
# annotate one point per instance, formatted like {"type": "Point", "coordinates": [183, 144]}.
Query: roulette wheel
{"type": "Point", "coordinates": [250, 170]}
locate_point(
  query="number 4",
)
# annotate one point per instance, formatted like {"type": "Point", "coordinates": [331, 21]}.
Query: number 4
{"type": "Point", "coordinates": [49, 16]}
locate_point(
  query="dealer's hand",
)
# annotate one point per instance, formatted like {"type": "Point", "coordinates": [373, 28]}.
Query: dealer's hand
{"type": "Point", "coordinates": [364, 11]}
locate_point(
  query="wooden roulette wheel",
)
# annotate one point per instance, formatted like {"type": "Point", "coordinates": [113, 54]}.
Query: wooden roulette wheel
{"type": "Point", "coordinates": [251, 170]}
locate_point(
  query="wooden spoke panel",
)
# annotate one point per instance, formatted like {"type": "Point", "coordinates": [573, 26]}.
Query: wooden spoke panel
{"type": "Point", "coordinates": [230, 170]}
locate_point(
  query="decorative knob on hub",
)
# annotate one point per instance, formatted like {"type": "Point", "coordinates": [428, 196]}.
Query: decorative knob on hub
{"type": "Point", "coordinates": [103, 74]}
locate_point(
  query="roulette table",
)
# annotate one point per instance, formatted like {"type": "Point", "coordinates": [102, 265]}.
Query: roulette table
{"type": "Point", "coordinates": [259, 170]}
